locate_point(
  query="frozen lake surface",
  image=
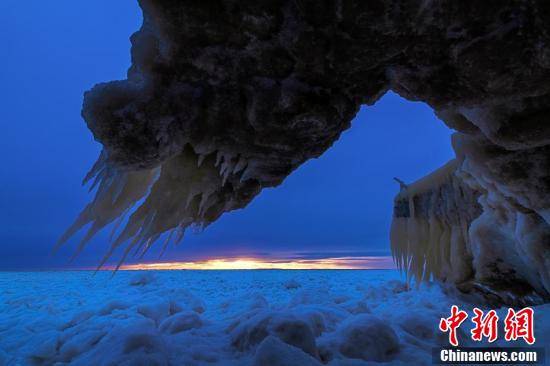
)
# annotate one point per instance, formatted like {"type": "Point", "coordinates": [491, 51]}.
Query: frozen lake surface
{"type": "Point", "coordinates": [256, 317]}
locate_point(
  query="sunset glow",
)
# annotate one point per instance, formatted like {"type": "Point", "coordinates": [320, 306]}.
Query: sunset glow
{"type": "Point", "coordinates": [262, 263]}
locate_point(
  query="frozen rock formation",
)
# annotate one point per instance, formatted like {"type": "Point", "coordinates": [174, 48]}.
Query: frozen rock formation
{"type": "Point", "coordinates": [429, 234]}
{"type": "Point", "coordinates": [479, 222]}
{"type": "Point", "coordinates": [225, 98]}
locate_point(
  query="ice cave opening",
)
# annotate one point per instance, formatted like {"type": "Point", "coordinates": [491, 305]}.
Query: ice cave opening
{"type": "Point", "coordinates": [342, 202]}
{"type": "Point", "coordinates": [339, 204]}
{"type": "Point", "coordinates": [218, 106]}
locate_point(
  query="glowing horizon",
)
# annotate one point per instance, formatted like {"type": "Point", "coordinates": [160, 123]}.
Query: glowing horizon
{"type": "Point", "coordinates": [364, 262]}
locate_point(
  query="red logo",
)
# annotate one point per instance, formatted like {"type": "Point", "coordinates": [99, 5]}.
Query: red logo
{"type": "Point", "coordinates": [485, 326]}
{"type": "Point", "coordinates": [452, 323]}
{"type": "Point", "coordinates": [516, 325]}
{"type": "Point", "coordinates": [519, 325]}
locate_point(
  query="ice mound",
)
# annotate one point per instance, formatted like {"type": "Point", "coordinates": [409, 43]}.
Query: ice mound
{"type": "Point", "coordinates": [158, 309]}
{"type": "Point", "coordinates": [112, 306]}
{"type": "Point", "coordinates": [138, 343]}
{"type": "Point", "coordinates": [274, 352]}
{"type": "Point", "coordinates": [336, 318]}
{"type": "Point", "coordinates": [369, 338]}
{"type": "Point", "coordinates": [355, 306]}
{"type": "Point", "coordinates": [321, 318]}
{"type": "Point", "coordinates": [181, 322]}
{"type": "Point", "coordinates": [287, 327]}
{"type": "Point", "coordinates": [418, 324]}
{"type": "Point", "coordinates": [185, 298]}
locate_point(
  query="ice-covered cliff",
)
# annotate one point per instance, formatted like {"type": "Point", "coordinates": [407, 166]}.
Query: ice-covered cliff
{"type": "Point", "coordinates": [225, 98]}
{"type": "Point", "coordinates": [448, 227]}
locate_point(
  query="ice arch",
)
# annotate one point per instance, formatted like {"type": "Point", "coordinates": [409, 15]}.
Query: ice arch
{"type": "Point", "coordinates": [339, 204]}
{"type": "Point", "coordinates": [225, 98]}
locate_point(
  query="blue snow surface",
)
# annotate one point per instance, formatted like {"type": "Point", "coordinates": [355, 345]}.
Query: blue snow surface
{"type": "Point", "coordinates": [253, 317]}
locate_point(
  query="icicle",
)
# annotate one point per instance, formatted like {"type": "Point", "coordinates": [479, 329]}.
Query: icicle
{"type": "Point", "coordinates": [219, 157]}
{"type": "Point", "coordinates": [129, 231]}
{"type": "Point", "coordinates": [104, 259]}
{"type": "Point", "coordinates": [224, 167]}
{"type": "Point", "coordinates": [126, 251]}
{"type": "Point", "coordinates": [81, 220]}
{"type": "Point", "coordinates": [190, 197]}
{"type": "Point", "coordinates": [179, 235]}
{"type": "Point", "coordinates": [202, 204]}
{"type": "Point", "coordinates": [96, 168]}
{"type": "Point", "coordinates": [241, 164]}
{"type": "Point", "coordinates": [166, 243]}
{"type": "Point", "coordinates": [145, 231]}
{"type": "Point", "coordinates": [171, 201]}
{"type": "Point", "coordinates": [89, 235]}
{"type": "Point", "coordinates": [200, 160]}
{"type": "Point", "coordinates": [118, 187]}
{"type": "Point", "coordinates": [428, 226]}
{"type": "Point", "coordinates": [139, 240]}
{"type": "Point", "coordinates": [117, 224]}
{"type": "Point", "coordinates": [148, 245]}
{"type": "Point", "coordinates": [101, 175]}
{"type": "Point", "coordinates": [225, 176]}
{"type": "Point", "coordinates": [247, 174]}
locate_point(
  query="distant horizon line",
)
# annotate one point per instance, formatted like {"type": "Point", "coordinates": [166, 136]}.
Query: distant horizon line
{"type": "Point", "coordinates": [360, 262]}
{"type": "Point", "coordinates": [251, 263]}
{"type": "Point", "coordinates": [193, 270]}
{"type": "Point", "coordinates": [245, 260]}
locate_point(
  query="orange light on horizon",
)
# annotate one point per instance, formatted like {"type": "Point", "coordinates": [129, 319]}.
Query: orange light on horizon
{"type": "Point", "coordinates": [259, 263]}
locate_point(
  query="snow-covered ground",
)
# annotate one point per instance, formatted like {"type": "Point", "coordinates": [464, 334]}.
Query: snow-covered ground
{"type": "Point", "coordinates": [291, 318]}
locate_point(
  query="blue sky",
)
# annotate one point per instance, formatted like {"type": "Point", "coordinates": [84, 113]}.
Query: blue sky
{"type": "Point", "coordinates": [54, 51]}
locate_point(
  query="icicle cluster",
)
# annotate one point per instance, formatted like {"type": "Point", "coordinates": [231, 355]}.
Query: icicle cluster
{"type": "Point", "coordinates": [188, 189]}
{"type": "Point", "coordinates": [429, 232]}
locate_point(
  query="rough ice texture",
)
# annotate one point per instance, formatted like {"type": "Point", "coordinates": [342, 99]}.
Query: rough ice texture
{"type": "Point", "coordinates": [247, 318]}
{"type": "Point", "coordinates": [429, 233]}
{"type": "Point", "coordinates": [225, 98]}
{"type": "Point", "coordinates": [450, 227]}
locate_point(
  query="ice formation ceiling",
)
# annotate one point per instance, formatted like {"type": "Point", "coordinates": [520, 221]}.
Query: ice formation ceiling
{"type": "Point", "coordinates": [225, 98]}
